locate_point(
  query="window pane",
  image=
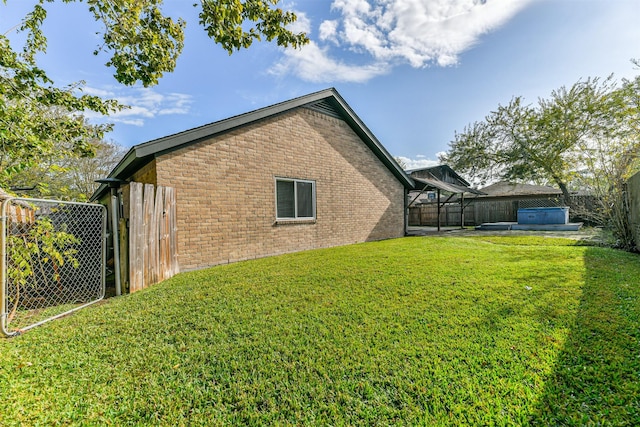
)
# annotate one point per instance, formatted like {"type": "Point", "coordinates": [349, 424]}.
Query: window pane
{"type": "Point", "coordinates": [285, 199]}
{"type": "Point", "coordinates": [305, 199]}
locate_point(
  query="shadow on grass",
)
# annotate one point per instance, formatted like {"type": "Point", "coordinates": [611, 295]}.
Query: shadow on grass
{"type": "Point", "coordinates": [596, 380]}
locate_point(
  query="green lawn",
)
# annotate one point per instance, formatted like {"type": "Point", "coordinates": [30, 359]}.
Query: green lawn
{"type": "Point", "coordinates": [433, 331]}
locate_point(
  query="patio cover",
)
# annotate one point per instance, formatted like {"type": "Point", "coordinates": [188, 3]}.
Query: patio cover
{"type": "Point", "coordinates": [428, 184]}
{"type": "Point", "coordinates": [434, 184]}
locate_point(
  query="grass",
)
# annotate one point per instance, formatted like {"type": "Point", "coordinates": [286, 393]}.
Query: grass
{"type": "Point", "coordinates": [431, 331]}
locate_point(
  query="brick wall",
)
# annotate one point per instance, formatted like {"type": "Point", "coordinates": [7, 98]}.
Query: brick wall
{"type": "Point", "coordinates": [146, 174]}
{"type": "Point", "coordinates": [225, 189]}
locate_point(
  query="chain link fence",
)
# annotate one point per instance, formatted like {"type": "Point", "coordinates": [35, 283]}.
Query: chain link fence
{"type": "Point", "coordinates": [52, 260]}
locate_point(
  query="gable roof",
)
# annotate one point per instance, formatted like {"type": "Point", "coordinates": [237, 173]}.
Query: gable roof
{"type": "Point", "coordinates": [327, 101]}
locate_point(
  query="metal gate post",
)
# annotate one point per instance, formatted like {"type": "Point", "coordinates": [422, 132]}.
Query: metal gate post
{"type": "Point", "coordinates": [3, 268]}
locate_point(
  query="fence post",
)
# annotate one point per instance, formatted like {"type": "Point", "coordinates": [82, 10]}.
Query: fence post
{"type": "Point", "coordinates": [3, 268]}
{"type": "Point", "coordinates": [438, 209]}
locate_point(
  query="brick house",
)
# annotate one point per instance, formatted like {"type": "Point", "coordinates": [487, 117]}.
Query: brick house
{"type": "Point", "coordinates": [302, 174]}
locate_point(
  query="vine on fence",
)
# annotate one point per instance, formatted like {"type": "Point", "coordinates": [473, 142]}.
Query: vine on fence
{"type": "Point", "coordinates": [35, 256]}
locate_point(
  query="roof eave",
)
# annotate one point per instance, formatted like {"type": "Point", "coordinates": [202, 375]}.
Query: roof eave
{"type": "Point", "coordinates": [170, 142]}
{"type": "Point", "coordinates": [372, 142]}
{"type": "Point", "coordinates": [148, 150]}
{"type": "Point", "coordinates": [124, 163]}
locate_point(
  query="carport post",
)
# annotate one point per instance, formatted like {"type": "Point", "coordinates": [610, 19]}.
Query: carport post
{"type": "Point", "coordinates": [438, 210]}
{"type": "Point", "coordinates": [461, 210]}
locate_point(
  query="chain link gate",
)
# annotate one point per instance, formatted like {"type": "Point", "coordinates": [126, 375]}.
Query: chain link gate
{"type": "Point", "coordinates": [52, 260]}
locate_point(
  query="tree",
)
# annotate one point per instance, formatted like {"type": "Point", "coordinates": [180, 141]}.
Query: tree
{"type": "Point", "coordinates": [143, 43]}
{"type": "Point", "coordinates": [533, 143]}
{"type": "Point", "coordinates": [35, 115]}
{"type": "Point", "coordinates": [584, 137]}
{"type": "Point", "coordinates": [64, 177]}
{"type": "Point", "coordinates": [83, 173]}
{"type": "Point", "coordinates": [609, 159]}
{"type": "Point", "coordinates": [400, 162]}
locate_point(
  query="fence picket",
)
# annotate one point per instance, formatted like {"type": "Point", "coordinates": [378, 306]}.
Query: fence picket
{"type": "Point", "coordinates": [170, 209]}
{"type": "Point", "coordinates": [156, 226]}
{"type": "Point", "coordinates": [149, 236]}
{"type": "Point", "coordinates": [136, 237]}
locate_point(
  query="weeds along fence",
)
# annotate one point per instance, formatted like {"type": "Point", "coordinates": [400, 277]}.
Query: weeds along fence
{"type": "Point", "coordinates": [52, 260]}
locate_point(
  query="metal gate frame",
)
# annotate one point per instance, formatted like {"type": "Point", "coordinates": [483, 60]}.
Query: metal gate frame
{"type": "Point", "coordinates": [4, 277]}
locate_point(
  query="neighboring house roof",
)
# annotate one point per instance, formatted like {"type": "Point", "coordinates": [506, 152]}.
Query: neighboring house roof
{"type": "Point", "coordinates": [508, 189]}
{"type": "Point", "coordinates": [327, 101]}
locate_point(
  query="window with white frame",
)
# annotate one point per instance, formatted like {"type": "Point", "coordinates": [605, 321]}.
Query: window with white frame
{"type": "Point", "coordinates": [295, 199]}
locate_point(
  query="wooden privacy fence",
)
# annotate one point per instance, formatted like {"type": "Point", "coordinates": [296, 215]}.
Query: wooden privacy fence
{"type": "Point", "coordinates": [475, 213]}
{"type": "Point", "coordinates": [153, 248]}
{"type": "Point", "coordinates": [479, 211]}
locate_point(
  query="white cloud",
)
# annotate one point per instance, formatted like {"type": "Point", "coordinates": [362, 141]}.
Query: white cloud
{"type": "Point", "coordinates": [178, 103]}
{"type": "Point", "coordinates": [426, 31]}
{"type": "Point", "coordinates": [352, 7]}
{"type": "Point", "coordinates": [144, 104]}
{"type": "Point", "coordinates": [104, 93]}
{"type": "Point", "coordinates": [419, 162]}
{"type": "Point", "coordinates": [329, 31]}
{"type": "Point", "coordinates": [302, 24]}
{"type": "Point", "coordinates": [390, 32]}
{"type": "Point", "coordinates": [313, 63]}
{"type": "Point", "coordinates": [131, 122]}
{"type": "Point", "coordinates": [134, 111]}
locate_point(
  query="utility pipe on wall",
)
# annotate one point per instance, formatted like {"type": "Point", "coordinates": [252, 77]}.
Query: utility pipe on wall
{"type": "Point", "coordinates": [116, 240]}
{"type": "Point", "coordinates": [114, 184]}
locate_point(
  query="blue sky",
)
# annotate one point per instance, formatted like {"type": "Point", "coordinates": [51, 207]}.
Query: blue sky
{"type": "Point", "coordinates": [415, 71]}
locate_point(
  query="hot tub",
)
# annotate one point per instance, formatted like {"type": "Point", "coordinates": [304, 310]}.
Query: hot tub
{"type": "Point", "coordinates": [553, 215]}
